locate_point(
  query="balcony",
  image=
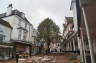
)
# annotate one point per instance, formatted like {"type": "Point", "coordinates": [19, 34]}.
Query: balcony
{"type": "Point", "coordinates": [23, 28]}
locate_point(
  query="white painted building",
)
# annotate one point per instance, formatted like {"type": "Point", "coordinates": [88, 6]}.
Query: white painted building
{"type": "Point", "coordinates": [5, 31]}
{"type": "Point", "coordinates": [70, 43]}
{"type": "Point", "coordinates": [21, 26]}
{"type": "Point", "coordinates": [74, 11]}
{"type": "Point", "coordinates": [5, 36]}
{"type": "Point", "coordinates": [22, 33]}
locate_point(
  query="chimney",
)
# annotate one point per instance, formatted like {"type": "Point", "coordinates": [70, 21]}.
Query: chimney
{"type": "Point", "coordinates": [9, 10]}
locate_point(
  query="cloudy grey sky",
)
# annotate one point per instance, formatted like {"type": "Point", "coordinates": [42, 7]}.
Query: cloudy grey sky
{"type": "Point", "coordinates": [37, 10]}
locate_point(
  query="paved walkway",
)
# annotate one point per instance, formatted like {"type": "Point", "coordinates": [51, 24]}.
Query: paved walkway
{"type": "Point", "coordinates": [55, 59]}
{"type": "Point", "coordinates": [61, 59]}
{"type": "Point", "coordinates": [8, 61]}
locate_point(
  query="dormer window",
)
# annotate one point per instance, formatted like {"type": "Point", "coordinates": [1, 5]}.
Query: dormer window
{"type": "Point", "coordinates": [23, 15]}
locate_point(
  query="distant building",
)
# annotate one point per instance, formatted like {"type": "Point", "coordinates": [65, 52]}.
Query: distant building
{"type": "Point", "coordinates": [5, 36]}
{"type": "Point", "coordinates": [34, 41]}
{"type": "Point", "coordinates": [55, 47]}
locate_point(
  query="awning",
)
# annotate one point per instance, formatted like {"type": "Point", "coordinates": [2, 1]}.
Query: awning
{"type": "Point", "coordinates": [5, 46]}
{"type": "Point", "coordinates": [22, 42]}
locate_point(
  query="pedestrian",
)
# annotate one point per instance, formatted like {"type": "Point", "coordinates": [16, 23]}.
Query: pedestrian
{"type": "Point", "coordinates": [17, 57]}
{"type": "Point", "coordinates": [58, 49]}
{"type": "Point", "coordinates": [45, 48]}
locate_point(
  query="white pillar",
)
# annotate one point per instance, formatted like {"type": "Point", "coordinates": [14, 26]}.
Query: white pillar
{"type": "Point", "coordinates": [70, 46]}
{"type": "Point", "coordinates": [74, 45]}
{"type": "Point", "coordinates": [83, 44]}
{"type": "Point", "coordinates": [80, 48]}
{"type": "Point", "coordinates": [66, 47]}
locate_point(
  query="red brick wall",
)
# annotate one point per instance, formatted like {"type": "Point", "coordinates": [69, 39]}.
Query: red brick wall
{"type": "Point", "coordinates": [91, 17]}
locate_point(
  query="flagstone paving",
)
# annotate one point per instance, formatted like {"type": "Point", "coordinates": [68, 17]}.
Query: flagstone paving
{"type": "Point", "coordinates": [9, 61]}
{"type": "Point", "coordinates": [55, 59]}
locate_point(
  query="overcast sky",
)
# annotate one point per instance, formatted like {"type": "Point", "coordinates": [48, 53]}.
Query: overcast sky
{"type": "Point", "coordinates": [38, 10]}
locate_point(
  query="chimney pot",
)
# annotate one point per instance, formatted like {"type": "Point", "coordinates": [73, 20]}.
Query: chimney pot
{"type": "Point", "coordinates": [9, 10]}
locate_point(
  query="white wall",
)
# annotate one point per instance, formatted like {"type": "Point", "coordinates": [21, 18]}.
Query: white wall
{"type": "Point", "coordinates": [75, 16]}
{"type": "Point", "coordinates": [30, 34]}
{"type": "Point", "coordinates": [33, 35]}
{"type": "Point", "coordinates": [6, 32]}
{"type": "Point", "coordinates": [15, 23]}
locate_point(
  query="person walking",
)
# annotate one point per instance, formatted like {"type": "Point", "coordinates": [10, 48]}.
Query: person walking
{"type": "Point", "coordinates": [58, 49]}
{"type": "Point", "coordinates": [17, 57]}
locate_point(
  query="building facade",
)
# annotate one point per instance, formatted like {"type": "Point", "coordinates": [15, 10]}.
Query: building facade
{"type": "Point", "coordinates": [5, 44]}
{"type": "Point", "coordinates": [70, 43]}
{"type": "Point", "coordinates": [22, 33]}
{"type": "Point", "coordinates": [84, 18]}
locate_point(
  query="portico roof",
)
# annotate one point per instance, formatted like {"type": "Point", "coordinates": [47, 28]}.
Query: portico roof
{"type": "Point", "coordinates": [22, 42]}
{"type": "Point", "coordinates": [4, 46]}
{"type": "Point", "coordinates": [5, 23]}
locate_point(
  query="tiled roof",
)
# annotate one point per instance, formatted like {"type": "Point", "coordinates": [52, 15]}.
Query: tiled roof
{"type": "Point", "coordinates": [14, 12]}
{"type": "Point", "coordinates": [5, 23]}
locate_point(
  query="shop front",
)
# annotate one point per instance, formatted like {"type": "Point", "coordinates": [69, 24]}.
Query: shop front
{"type": "Point", "coordinates": [23, 49]}
{"type": "Point", "coordinates": [6, 52]}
